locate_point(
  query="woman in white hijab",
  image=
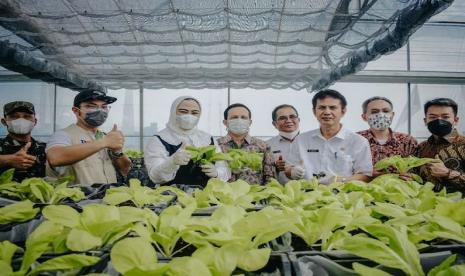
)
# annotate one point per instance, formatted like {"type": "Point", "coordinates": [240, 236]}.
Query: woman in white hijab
{"type": "Point", "coordinates": [166, 159]}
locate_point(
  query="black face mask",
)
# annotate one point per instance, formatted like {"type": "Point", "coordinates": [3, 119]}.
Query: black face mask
{"type": "Point", "coordinates": [440, 127]}
{"type": "Point", "coordinates": [96, 118]}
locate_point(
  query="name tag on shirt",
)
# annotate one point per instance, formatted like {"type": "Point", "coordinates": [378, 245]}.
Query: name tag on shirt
{"type": "Point", "coordinates": [313, 150]}
{"type": "Point", "coordinates": [276, 151]}
{"type": "Point", "coordinates": [85, 141]}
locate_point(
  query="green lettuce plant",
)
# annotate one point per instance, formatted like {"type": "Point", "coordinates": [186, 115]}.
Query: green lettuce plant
{"type": "Point", "coordinates": [389, 247]}
{"type": "Point", "coordinates": [97, 225]}
{"type": "Point", "coordinates": [40, 191]}
{"type": "Point", "coordinates": [207, 155]}
{"type": "Point", "coordinates": [18, 212]}
{"type": "Point", "coordinates": [139, 195]}
{"type": "Point", "coordinates": [401, 164]}
{"type": "Point", "coordinates": [35, 247]}
{"type": "Point", "coordinates": [245, 159]}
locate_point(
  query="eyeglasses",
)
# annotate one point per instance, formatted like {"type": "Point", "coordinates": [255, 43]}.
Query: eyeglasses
{"type": "Point", "coordinates": [290, 117]}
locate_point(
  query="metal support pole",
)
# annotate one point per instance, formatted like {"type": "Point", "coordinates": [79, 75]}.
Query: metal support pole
{"type": "Point", "coordinates": [141, 117]}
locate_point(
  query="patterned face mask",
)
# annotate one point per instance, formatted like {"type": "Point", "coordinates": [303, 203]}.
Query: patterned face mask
{"type": "Point", "coordinates": [379, 120]}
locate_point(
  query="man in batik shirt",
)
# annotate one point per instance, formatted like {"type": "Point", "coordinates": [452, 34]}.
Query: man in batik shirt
{"type": "Point", "coordinates": [445, 144]}
{"type": "Point", "coordinates": [384, 142]}
{"type": "Point", "coordinates": [237, 118]}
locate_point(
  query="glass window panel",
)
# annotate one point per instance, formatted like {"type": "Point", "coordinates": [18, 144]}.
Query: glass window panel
{"type": "Point", "coordinates": [125, 112]}
{"type": "Point", "coordinates": [357, 93]}
{"type": "Point", "coordinates": [64, 102]}
{"type": "Point", "coordinates": [132, 142]}
{"type": "Point", "coordinates": [454, 13]}
{"type": "Point", "coordinates": [38, 93]}
{"type": "Point", "coordinates": [394, 61]}
{"type": "Point", "coordinates": [421, 93]}
{"type": "Point", "coordinates": [438, 48]}
{"type": "Point", "coordinates": [157, 105]}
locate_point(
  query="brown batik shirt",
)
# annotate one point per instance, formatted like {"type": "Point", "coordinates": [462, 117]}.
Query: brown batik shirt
{"type": "Point", "coordinates": [251, 144]}
{"type": "Point", "coordinates": [451, 151]}
{"type": "Point", "coordinates": [397, 144]}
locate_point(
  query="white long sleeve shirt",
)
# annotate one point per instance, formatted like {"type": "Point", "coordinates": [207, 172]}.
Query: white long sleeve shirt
{"type": "Point", "coordinates": [345, 154]}
{"type": "Point", "coordinates": [161, 168]}
{"type": "Point", "coordinates": [281, 147]}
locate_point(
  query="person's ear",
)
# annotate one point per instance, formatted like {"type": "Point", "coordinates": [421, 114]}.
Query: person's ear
{"type": "Point", "coordinates": [75, 110]}
{"type": "Point", "coordinates": [225, 123]}
{"type": "Point", "coordinates": [364, 117]}
{"type": "Point", "coordinates": [456, 120]}
{"type": "Point", "coordinates": [344, 111]}
{"type": "Point", "coordinates": [424, 120]}
{"type": "Point", "coordinates": [35, 121]}
{"type": "Point", "coordinates": [4, 122]}
{"type": "Point", "coordinates": [274, 124]}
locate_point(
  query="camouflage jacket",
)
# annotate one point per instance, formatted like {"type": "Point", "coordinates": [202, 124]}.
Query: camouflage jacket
{"type": "Point", "coordinates": [8, 145]}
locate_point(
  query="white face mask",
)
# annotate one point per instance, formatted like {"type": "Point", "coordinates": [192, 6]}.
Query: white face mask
{"type": "Point", "coordinates": [238, 126]}
{"type": "Point", "coordinates": [379, 120]}
{"type": "Point", "coordinates": [289, 135]}
{"type": "Point", "coordinates": [20, 126]}
{"type": "Point", "coordinates": [187, 121]}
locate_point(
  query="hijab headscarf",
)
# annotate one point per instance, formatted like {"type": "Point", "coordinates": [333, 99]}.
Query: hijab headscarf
{"type": "Point", "coordinates": [172, 123]}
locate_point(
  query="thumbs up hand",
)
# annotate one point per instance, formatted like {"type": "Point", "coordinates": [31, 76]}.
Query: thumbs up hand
{"type": "Point", "coordinates": [21, 159]}
{"type": "Point", "coordinates": [280, 164]}
{"type": "Point", "coordinates": [114, 139]}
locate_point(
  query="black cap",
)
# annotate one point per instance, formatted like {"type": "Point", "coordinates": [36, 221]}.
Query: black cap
{"type": "Point", "coordinates": [21, 106]}
{"type": "Point", "coordinates": [88, 95]}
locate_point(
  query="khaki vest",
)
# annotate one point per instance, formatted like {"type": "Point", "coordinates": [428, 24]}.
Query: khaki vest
{"type": "Point", "coordinates": [97, 168]}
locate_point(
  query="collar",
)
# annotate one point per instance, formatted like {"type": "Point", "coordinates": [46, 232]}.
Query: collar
{"type": "Point", "coordinates": [341, 134]}
{"type": "Point", "coordinates": [15, 142]}
{"type": "Point", "coordinates": [453, 136]}
{"type": "Point", "coordinates": [391, 137]}
{"type": "Point", "coordinates": [247, 139]}
{"type": "Point", "coordinates": [284, 139]}
{"type": "Point", "coordinates": [87, 130]}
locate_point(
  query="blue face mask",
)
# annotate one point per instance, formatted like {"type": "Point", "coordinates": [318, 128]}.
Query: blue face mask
{"type": "Point", "coordinates": [96, 118]}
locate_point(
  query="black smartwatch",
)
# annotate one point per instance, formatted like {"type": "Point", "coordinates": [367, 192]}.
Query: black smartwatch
{"type": "Point", "coordinates": [115, 155]}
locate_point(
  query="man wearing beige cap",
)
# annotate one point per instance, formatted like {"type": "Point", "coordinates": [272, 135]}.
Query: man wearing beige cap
{"type": "Point", "coordinates": [18, 149]}
{"type": "Point", "coordinates": [84, 151]}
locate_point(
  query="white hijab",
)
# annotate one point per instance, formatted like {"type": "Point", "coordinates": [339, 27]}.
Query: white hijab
{"type": "Point", "coordinates": [172, 125]}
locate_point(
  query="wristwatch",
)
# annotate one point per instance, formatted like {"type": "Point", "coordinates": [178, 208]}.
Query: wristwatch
{"type": "Point", "coordinates": [452, 174]}
{"type": "Point", "coordinates": [115, 155]}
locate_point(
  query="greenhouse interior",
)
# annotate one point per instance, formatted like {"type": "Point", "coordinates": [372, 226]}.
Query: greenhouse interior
{"type": "Point", "coordinates": [233, 137]}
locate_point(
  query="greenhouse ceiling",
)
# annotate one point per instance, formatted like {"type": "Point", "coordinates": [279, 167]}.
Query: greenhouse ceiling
{"type": "Point", "coordinates": [295, 44]}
